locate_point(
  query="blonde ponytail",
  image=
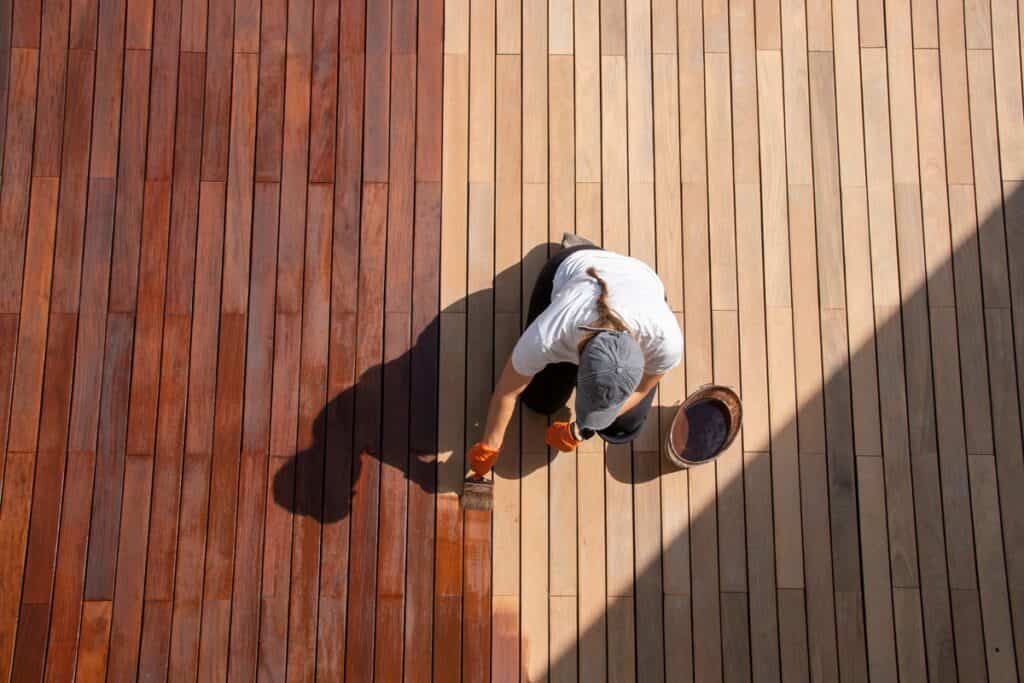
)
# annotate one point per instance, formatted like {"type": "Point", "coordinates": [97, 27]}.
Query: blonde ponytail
{"type": "Point", "coordinates": [606, 318]}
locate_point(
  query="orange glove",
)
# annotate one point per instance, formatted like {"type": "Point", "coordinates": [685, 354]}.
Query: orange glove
{"type": "Point", "coordinates": [560, 437]}
{"type": "Point", "coordinates": [481, 459]}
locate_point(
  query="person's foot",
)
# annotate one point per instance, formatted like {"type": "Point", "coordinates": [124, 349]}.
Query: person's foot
{"type": "Point", "coordinates": [573, 240]}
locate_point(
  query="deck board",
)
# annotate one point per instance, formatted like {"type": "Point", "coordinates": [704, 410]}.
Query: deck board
{"type": "Point", "coordinates": [263, 261]}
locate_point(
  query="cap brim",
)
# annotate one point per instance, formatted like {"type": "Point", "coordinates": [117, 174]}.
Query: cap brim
{"type": "Point", "coordinates": [597, 419]}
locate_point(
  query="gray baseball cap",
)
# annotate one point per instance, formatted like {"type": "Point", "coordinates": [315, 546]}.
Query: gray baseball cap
{"type": "Point", "coordinates": [610, 370]}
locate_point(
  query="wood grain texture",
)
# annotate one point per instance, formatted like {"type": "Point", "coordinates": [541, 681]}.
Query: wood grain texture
{"type": "Point", "coordinates": [264, 261]}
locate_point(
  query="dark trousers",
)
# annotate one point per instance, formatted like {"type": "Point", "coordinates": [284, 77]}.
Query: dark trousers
{"type": "Point", "coordinates": [550, 388]}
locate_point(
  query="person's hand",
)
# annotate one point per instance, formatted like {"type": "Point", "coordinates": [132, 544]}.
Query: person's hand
{"type": "Point", "coordinates": [481, 458]}
{"type": "Point", "coordinates": [560, 436]}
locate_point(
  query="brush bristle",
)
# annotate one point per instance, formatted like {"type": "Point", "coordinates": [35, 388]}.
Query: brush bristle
{"type": "Point", "coordinates": [477, 494]}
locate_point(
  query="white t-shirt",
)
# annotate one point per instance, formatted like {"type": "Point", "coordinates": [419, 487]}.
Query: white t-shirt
{"type": "Point", "coordinates": [635, 294]}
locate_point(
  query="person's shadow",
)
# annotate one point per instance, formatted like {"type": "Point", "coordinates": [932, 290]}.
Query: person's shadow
{"type": "Point", "coordinates": [390, 413]}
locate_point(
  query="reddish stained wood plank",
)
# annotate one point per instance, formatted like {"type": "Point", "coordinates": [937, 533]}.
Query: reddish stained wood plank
{"type": "Point", "coordinates": [259, 363]}
{"type": "Point", "coordinates": [16, 184]}
{"type": "Point", "coordinates": [126, 623]}
{"type": "Point", "coordinates": [156, 640]}
{"type": "Point", "coordinates": [94, 641]}
{"type": "Point", "coordinates": [84, 14]}
{"type": "Point", "coordinates": [70, 569]}
{"type": "Point", "coordinates": [245, 600]}
{"type": "Point", "coordinates": [247, 26]}
{"type": "Point", "coordinates": [164, 89]}
{"type": "Point", "coordinates": [348, 188]}
{"type": "Point", "coordinates": [42, 544]}
{"type": "Point", "coordinates": [27, 23]}
{"type": "Point", "coordinates": [28, 656]}
{"type": "Point", "coordinates": [50, 99]}
{"type": "Point", "coordinates": [193, 25]}
{"type": "Point", "coordinates": [285, 400]}
{"type": "Point", "coordinates": [398, 287]}
{"type": "Point", "coordinates": [216, 119]}
{"type": "Point", "coordinates": [377, 102]}
{"type": "Point", "coordinates": [188, 579]}
{"type": "Point", "coordinates": [14, 511]}
{"type": "Point", "coordinates": [149, 319]}
{"type": "Point", "coordinates": [220, 544]}
{"type": "Point", "coordinates": [448, 590]}
{"type": "Point", "coordinates": [93, 317]}
{"type": "Point", "coordinates": [276, 570]}
{"type": "Point", "coordinates": [367, 446]}
{"type": "Point", "coordinates": [130, 183]}
{"type": "Point", "coordinates": [309, 460]}
{"type": "Point", "coordinates": [213, 645]}
{"type": "Point", "coordinates": [205, 319]}
{"type": "Point", "coordinates": [423, 433]}
{"type": "Point", "coordinates": [163, 532]}
{"type": "Point", "coordinates": [181, 256]}
{"type": "Point", "coordinates": [170, 430]}
{"type": "Point", "coordinates": [323, 101]}
{"type": "Point", "coordinates": [110, 72]}
{"type": "Point", "coordinates": [428, 105]}
{"type": "Point", "coordinates": [5, 46]}
{"type": "Point", "coordinates": [8, 344]}
{"type": "Point", "coordinates": [476, 624]}
{"type": "Point", "coordinates": [403, 27]}
{"type": "Point", "coordinates": [71, 218]}
{"type": "Point", "coordinates": [295, 159]}
{"type": "Point", "coordinates": [235, 296]}
{"type": "Point", "coordinates": [110, 453]}
{"type": "Point", "coordinates": [139, 33]}
{"type": "Point", "coordinates": [391, 559]}
{"type": "Point", "coordinates": [35, 305]}
{"type": "Point", "coordinates": [270, 116]}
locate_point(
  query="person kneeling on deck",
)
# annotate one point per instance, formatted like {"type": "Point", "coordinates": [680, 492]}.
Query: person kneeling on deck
{"type": "Point", "coordinates": [598, 323]}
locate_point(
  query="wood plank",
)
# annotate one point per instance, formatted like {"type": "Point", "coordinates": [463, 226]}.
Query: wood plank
{"type": "Point", "coordinates": [793, 635]}
{"type": "Point", "coordinates": [992, 586]}
{"type": "Point", "coordinates": [270, 114]}
{"type": "Point", "coordinates": [206, 318]}
{"type": "Point", "coordinates": [273, 652]}
{"type": "Point", "coordinates": [106, 508]}
{"type": "Point", "coordinates": [667, 190]}
{"type": "Point", "coordinates": [216, 119]}
{"type": "Point", "coordinates": [879, 626]}
{"type": "Point", "coordinates": [14, 522]}
{"type": "Point", "coordinates": [40, 561]}
{"type": "Point", "coordinates": [614, 168]}
{"type": "Point", "coordinates": [70, 567]}
{"type": "Point", "coordinates": [126, 617]}
{"type": "Point", "coordinates": [1009, 100]}
{"type": "Point", "coordinates": [365, 512]}
{"type": "Point", "coordinates": [146, 353]}
{"type": "Point", "coordinates": [95, 640]}
{"type": "Point", "coordinates": [35, 306]}
{"type": "Point", "coordinates": [535, 627]}
{"type": "Point", "coordinates": [16, 188]}
{"type": "Point", "coordinates": [648, 567]}
{"type": "Point", "coordinates": [707, 642]}
{"type": "Point", "coordinates": [721, 220]}
{"type": "Point", "coordinates": [820, 598]}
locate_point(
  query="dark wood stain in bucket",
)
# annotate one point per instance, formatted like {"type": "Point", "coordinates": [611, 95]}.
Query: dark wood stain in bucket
{"type": "Point", "coordinates": [709, 428]}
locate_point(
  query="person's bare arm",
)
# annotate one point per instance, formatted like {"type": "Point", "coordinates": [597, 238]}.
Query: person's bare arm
{"type": "Point", "coordinates": [646, 384]}
{"type": "Point", "coordinates": [503, 404]}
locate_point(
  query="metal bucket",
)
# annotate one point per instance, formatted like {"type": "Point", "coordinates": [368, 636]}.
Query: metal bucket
{"type": "Point", "coordinates": [704, 426]}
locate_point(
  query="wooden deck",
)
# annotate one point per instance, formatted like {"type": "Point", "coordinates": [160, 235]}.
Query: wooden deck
{"type": "Point", "coordinates": [260, 260]}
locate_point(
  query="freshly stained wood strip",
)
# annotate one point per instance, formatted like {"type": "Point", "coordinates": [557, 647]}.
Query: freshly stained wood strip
{"type": "Point", "coordinates": [126, 618]}
{"type": "Point", "coordinates": [14, 513]}
{"type": "Point", "coordinates": [16, 184]}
